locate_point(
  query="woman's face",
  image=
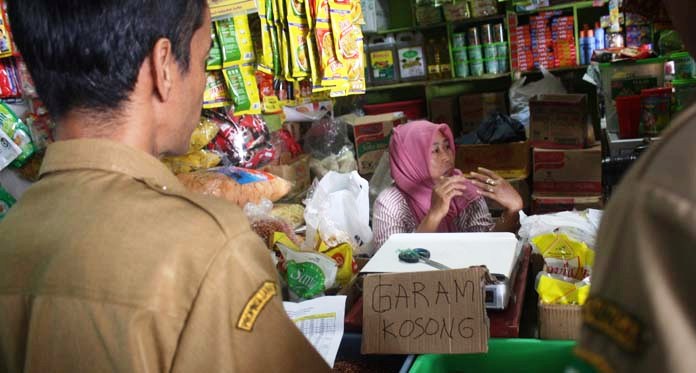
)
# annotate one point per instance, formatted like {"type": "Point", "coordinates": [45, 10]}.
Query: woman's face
{"type": "Point", "coordinates": [441, 157]}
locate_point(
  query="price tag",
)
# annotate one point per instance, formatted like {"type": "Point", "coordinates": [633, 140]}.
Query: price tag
{"type": "Point", "coordinates": [8, 150]}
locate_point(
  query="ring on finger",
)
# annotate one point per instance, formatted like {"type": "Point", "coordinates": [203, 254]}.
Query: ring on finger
{"type": "Point", "coordinates": [490, 181]}
{"type": "Point", "coordinates": [490, 189]}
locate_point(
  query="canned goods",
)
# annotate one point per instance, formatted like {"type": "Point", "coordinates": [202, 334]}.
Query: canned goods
{"type": "Point", "coordinates": [503, 64]}
{"type": "Point", "coordinates": [490, 51]}
{"type": "Point", "coordinates": [473, 36]}
{"type": "Point", "coordinates": [498, 33]}
{"type": "Point", "coordinates": [461, 70]}
{"type": "Point", "coordinates": [459, 40]}
{"type": "Point", "coordinates": [501, 49]}
{"type": "Point", "coordinates": [476, 67]}
{"type": "Point", "coordinates": [475, 52]}
{"type": "Point", "coordinates": [491, 66]}
{"type": "Point", "coordinates": [486, 34]}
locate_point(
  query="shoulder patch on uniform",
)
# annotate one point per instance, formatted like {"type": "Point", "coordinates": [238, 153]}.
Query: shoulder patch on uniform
{"type": "Point", "coordinates": [611, 320]}
{"type": "Point", "coordinates": [255, 305]}
{"type": "Point", "coordinates": [595, 360]}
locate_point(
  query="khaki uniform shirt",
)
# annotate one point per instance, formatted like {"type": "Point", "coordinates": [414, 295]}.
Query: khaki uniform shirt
{"type": "Point", "coordinates": [109, 264]}
{"type": "Point", "coordinates": [641, 314]}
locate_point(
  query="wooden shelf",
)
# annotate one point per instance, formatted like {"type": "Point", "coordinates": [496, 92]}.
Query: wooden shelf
{"type": "Point", "coordinates": [557, 70]}
{"type": "Point", "coordinates": [428, 83]}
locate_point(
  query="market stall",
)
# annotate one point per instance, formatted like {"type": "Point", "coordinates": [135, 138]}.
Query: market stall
{"type": "Point", "coordinates": [302, 101]}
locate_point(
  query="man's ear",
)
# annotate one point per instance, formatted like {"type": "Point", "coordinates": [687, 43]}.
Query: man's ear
{"type": "Point", "coordinates": [163, 65]}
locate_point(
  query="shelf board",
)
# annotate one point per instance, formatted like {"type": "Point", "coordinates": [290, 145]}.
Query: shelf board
{"type": "Point", "coordinates": [557, 69]}
{"type": "Point", "coordinates": [426, 83]}
{"type": "Point", "coordinates": [460, 22]}
{"type": "Point", "coordinates": [570, 5]}
{"type": "Point", "coordinates": [485, 19]}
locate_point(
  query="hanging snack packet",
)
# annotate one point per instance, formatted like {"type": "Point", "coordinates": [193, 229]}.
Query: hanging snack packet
{"type": "Point", "coordinates": [266, 63]}
{"type": "Point", "coordinates": [245, 142]}
{"type": "Point", "coordinates": [203, 134]}
{"type": "Point", "coordinates": [356, 68]}
{"type": "Point", "coordinates": [5, 39]}
{"type": "Point", "coordinates": [214, 61]}
{"type": "Point", "coordinates": [18, 133]}
{"type": "Point", "coordinates": [9, 151]}
{"type": "Point", "coordinates": [6, 202]}
{"type": "Point", "coordinates": [565, 256]}
{"type": "Point", "coordinates": [345, 38]}
{"type": "Point", "coordinates": [216, 94]}
{"type": "Point", "coordinates": [298, 49]}
{"type": "Point", "coordinates": [241, 83]}
{"type": "Point", "coordinates": [334, 73]}
{"type": "Point", "coordinates": [234, 37]}
{"type": "Point", "coordinates": [312, 54]}
{"type": "Point", "coordinates": [194, 161]}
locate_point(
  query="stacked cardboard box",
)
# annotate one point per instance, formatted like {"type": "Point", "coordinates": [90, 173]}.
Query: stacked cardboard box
{"type": "Point", "coordinates": [566, 163]}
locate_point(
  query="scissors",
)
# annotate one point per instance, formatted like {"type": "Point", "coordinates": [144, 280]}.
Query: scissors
{"type": "Point", "coordinates": [419, 255]}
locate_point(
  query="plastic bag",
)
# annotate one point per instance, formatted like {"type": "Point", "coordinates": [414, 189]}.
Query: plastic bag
{"type": "Point", "coordinates": [520, 94]}
{"type": "Point", "coordinates": [235, 184]}
{"type": "Point", "coordinates": [292, 213]}
{"type": "Point", "coordinates": [327, 136]}
{"type": "Point", "coordinates": [565, 256]}
{"type": "Point", "coordinates": [498, 128]}
{"type": "Point", "coordinates": [381, 179]}
{"type": "Point", "coordinates": [6, 202]}
{"type": "Point", "coordinates": [556, 289]}
{"type": "Point", "coordinates": [307, 274]}
{"type": "Point", "coordinates": [194, 161]}
{"type": "Point", "coordinates": [203, 134]}
{"type": "Point", "coordinates": [579, 225]}
{"type": "Point", "coordinates": [338, 211]}
{"type": "Point", "coordinates": [244, 141]}
{"type": "Point", "coordinates": [343, 162]}
{"type": "Point", "coordinates": [265, 224]}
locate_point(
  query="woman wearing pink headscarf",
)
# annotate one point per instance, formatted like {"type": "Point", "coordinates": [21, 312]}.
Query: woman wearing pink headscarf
{"type": "Point", "coordinates": [430, 195]}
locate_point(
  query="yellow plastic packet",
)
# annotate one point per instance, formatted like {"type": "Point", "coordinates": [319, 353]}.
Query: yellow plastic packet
{"type": "Point", "coordinates": [298, 49]}
{"type": "Point", "coordinates": [554, 289]}
{"type": "Point", "coordinates": [194, 161]}
{"type": "Point", "coordinates": [315, 70]}
{"type": "Point", "coordinates": [356, 12]}
{"type": "Point", "coordinates": [203, 134]}
{"type": "Point", "coordinates": [235, 41]}
{"type": "Point", "coordinates": [215, 94]}
{"type": "Point", "coordinates": [356, 69]}
{"type": "Point", "coordinates": [565, 256]}
{"type": "Point", "coordinates": [296, 11]}
{"type": "Point", "coordinates": [266, 60]}
{"type": "Point", "coordinates": [333, 72]}
{"type": "Point", "coordinates": [241, 83]}
{"type": "Point", "coordinates": [343, 255]}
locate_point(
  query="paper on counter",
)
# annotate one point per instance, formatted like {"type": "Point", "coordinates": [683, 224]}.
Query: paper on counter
{"type": "Point", "coordinates": [321, 322]}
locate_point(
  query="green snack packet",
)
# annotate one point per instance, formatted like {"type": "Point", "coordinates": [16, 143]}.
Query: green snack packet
{"type": "Point", "coordinates": [6, 202]}
{"type": "Point", "coordinates": [215, 57]}
{"type": "Point", "coordinates": [16, 130]}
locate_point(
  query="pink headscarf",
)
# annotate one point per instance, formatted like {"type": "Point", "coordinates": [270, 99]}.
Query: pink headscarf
{"type": "Point", "coordinates": [410, 150]}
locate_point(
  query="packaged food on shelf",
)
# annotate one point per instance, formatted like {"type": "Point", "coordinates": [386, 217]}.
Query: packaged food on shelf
{"type": "Point", "coordinates": [411, 56]}
{"type": "Point", "coordinates": [15, 136]}
{"type": "Point", "coordinates": [655, 110]}
{"type": "Point", "coordinates": [6, 202]}
{"type": "Point", "coordinates": [383, 61]}
{"type": "Point", "coordinates": [265, 224]}
{"type": "Point", "coordinates": [215, 94]}
{"type": "Point", "coordinates": [234, 38]}
{"type": "Point", "coordinates": [243, 141]}
{"type": "Point", "coordinates": [241, 83]}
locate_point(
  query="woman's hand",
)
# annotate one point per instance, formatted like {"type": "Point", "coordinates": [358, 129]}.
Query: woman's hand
{"type": "Point", "coordinates": [492, 186]}
{"type": "Point", "coordinates": [444, 191]}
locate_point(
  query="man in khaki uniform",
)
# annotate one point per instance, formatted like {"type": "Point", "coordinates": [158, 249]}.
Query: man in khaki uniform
{"type": "Point", "coordinates": [107, 263]}
{"type": "Point", "coordinates": [641, 314]}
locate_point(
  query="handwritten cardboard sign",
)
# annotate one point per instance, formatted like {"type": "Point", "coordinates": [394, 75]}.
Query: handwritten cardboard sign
{"type": "Point", "coordinates": [425, 312]}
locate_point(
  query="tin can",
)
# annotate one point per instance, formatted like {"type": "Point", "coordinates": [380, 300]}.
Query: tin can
{"type": "Point", "coordinates": [476, 67]}
{"type": "Point", "coordinates": [492, 66]}
{"type": "Point", "coordinates": [498, 33]}
{"type": "Point", "coordinates": [475, 52]}
{"type": "Point", "coordinates": [473, 36]}
{"type": "Point", "coordinates": [486, 34]}
{"type": "Point", "coordinates": [459, 40]}
{"type": "Point", "coordinates": [490, 51]}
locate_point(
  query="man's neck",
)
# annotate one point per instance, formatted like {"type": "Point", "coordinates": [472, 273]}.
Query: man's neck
{"type": "Point", "coordinates": [128, 130]}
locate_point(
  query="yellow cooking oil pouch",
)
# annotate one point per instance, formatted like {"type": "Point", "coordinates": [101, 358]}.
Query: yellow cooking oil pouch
{"type": "Point", "coordinates": [241, 83]}
{"type": "Point", "coordinates": [235, 41]}
{"type": "Point", "coordinates": [565, 256]}
{"type": "Point", "coordinates": [343, 255]}
{"type": "Point", "coordinates": [555, 289]}
{"type": "Point", "coordinates": [216, 94]}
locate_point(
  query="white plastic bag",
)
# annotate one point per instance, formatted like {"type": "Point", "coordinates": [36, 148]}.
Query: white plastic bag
{"type": "Point", "coordinates": [579, 225]}
{"type": "Point", "coordinates": [520, 94]}
{"type": "Point", "coordinates": [381, 178]}
{"type": "Point", "coordinates": [338, 211]}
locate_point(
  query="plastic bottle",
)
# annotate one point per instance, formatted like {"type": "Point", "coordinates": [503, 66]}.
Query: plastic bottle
{"type": "Point", "coordinates": [583, 47]}
{"type": "Point", "coordinates": [433, 59]}
{"type": "Point", "coordinates": [590, 46]}
{"type": "Point", "coordinates": [599, 36]}
{"type": "Point", "coordinates": [383, 61]}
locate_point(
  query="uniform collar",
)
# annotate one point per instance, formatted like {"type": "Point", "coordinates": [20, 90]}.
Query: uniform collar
{"type": "Point", "coordinates": [109, 156]}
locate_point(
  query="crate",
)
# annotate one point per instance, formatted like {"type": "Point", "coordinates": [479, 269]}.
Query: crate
{"type": "Point", "coordinates": [504, 355]}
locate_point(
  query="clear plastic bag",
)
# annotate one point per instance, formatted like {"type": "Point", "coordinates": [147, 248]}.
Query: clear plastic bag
{"type": "Point", "coordinates": [581, 226]}
{"type": "Point", "coordinates": [264, 224]}
{"type": "Point", "coordinates": [520, 94]}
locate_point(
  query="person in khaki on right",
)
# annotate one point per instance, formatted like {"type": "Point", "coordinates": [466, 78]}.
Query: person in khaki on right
{"type": "Point", "coordinates": [641, 312]}
{"type": "Point", "coordinates": [107, 263]}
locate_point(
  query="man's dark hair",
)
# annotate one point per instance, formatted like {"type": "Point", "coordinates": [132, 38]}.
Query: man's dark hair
{"type": "Point", "coordinates": [87, 54]}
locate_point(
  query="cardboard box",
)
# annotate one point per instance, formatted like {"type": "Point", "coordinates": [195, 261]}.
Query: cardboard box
{"type": "Point", "coordinates": [474, 108]}
{"type": "Point", "coordinates": [446, 110]}
{"type": "Point", "coordinates": [376, 14]}
{"type": "Point", "coordinates": [371, 134]}
{"type": "Point", "coordinates": [425, 312]}
{"type": "Point", "coordinates": [568, 171]}
{"type": "Point", "coordinates": [510, 161]}
{"type": "Point", "coordinates": [521, 185]}
{"type": "Point", "coordinates": [559, 321]}
{"type": "Point", "coordinates": [559, 121]}
{"type": "Point", "coordinates": [296, 172]}
{"type": "Point", "coordinates": [542, 204]}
